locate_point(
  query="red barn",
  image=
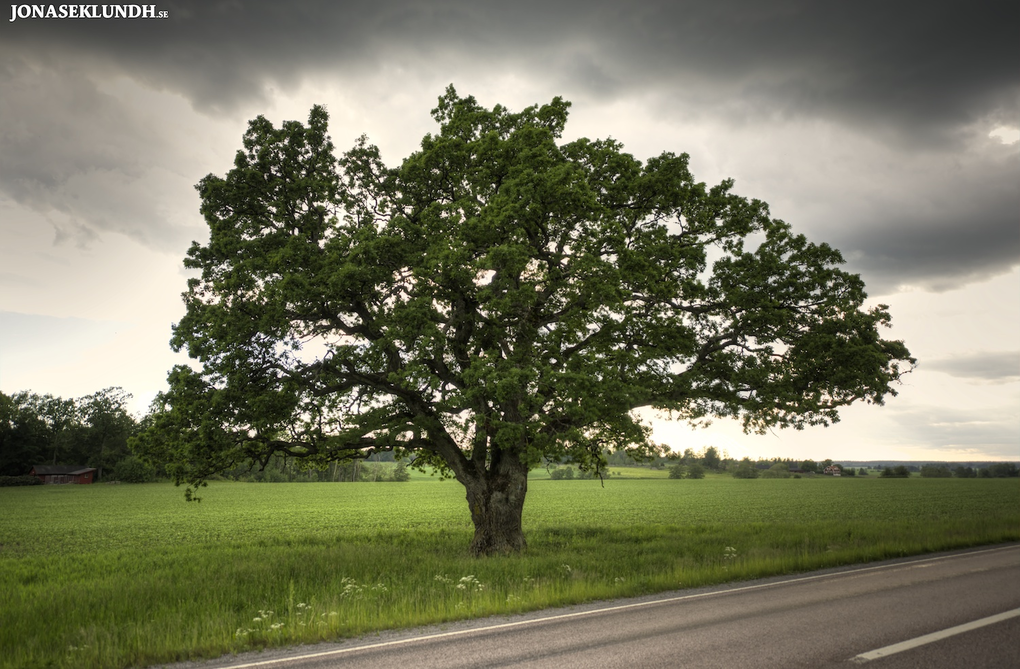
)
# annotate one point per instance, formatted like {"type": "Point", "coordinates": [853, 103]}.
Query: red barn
{"type": "Point", "coordinates": [64, 473]}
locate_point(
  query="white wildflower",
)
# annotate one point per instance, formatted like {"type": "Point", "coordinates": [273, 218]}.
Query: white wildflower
{"type": "Point", "coordinates": [470, 584]}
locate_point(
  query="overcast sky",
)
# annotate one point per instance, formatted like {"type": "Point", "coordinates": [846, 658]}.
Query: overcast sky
{"type": "Point", "coordinates": [889, 130]}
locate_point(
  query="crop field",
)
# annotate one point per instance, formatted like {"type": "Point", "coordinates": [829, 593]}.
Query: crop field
{"type": "Point", "coordinates": [131, 575]}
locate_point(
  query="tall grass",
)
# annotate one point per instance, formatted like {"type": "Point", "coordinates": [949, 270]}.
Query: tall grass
{"type": "Point", "coordinates": [114, 576]}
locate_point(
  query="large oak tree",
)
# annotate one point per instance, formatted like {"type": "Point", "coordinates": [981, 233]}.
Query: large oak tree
{"type": "Point", "coordinates": [500, 297]}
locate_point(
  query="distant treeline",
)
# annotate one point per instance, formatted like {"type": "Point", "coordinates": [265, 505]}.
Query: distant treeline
{"type": "Point", "coordinates": [91, 431]}
{"type": "Point", "coordinates": [95, 431]}
{"type": "Point", "coordinates": [379, 468]}
{"type": "Point", "coordinates": [693, 465]}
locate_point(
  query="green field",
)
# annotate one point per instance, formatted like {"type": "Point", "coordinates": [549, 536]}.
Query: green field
{"type": "Point", "coordinates": [114, 576]}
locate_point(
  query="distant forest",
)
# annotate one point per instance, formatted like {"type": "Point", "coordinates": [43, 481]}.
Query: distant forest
{"type": "Point", "coordinates": [96, 430]}
{"type": "Point", "coordinates": [693, 465]}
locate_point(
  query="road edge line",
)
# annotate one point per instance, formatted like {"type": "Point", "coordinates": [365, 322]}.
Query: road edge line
{"type": "Point", "coordinates": [917, 642]}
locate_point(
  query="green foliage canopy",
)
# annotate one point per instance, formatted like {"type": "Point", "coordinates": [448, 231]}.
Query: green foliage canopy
{"type": "Point", "coordinates": [500, 297]}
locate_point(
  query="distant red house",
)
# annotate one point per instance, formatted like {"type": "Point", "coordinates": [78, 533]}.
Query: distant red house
{"type": "Point", "coordinates": [64, 473]}
{"type": "Point", "coordinates": [833, 470]}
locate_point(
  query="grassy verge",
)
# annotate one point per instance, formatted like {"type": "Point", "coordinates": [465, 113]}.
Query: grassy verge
{"type": "Point", "coordinates": [114, 576]}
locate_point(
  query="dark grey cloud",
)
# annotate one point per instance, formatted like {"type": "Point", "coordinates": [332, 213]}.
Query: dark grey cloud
{"type": "Point", "coordinates": [919, 78]}
{"type": "Point", "coordinates": [80, 157]}
{"type": "Point", "coordinates": [956, 222]}
{"type": "Point", "coordinates": [917, 68]}
{"type": "Point", "coordinates": [996, 366]}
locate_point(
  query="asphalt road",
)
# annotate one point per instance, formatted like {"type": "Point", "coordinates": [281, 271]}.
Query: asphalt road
{"type": "Point", "coordinates": [949, 610]}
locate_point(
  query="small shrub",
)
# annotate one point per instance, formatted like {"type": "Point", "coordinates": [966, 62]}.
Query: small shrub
{"type": "Point", "coordinates": [560, 473]}
{"type": "Point", "coordinates": [400, 473]}
{"type": "Point", "coordinates": [680, 471]}
{"type": "Point", "coordinates": [746, 470]}
{"type": "Point", "coordinates": [269, 475]}
{"type": "Point", "coordinates": [1003, 470]}
{"type": "Point", "coordinates": [10, 481]}
{"type": "Point", "coordinates": [779, 470]}
{"type": "Point", "coordinates": [133, 470]}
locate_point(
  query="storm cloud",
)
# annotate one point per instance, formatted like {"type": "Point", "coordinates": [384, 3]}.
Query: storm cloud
{"type": "Point", "coordinates": [919, 194]}
{"type": "Point", "coordinates": [920, 70]}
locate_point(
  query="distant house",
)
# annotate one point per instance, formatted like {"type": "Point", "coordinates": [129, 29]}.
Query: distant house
{"type": "Point", "coordinates": [833, 470]}
{"type": "Point", "coordinates": [64, 473]}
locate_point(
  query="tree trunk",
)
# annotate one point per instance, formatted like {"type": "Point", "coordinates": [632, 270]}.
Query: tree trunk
{"type": "Point", "coordinates": [496, 501]}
